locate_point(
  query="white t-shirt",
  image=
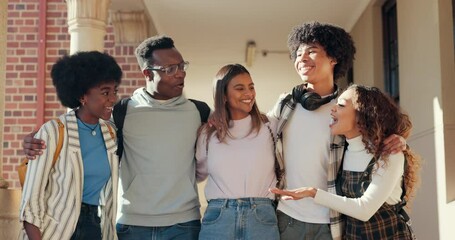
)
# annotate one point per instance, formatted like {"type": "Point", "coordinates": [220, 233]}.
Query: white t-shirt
{"type": "Point", "coordinates": [241, 167]}
{"type": "Point", "coordinates": [306, 142]}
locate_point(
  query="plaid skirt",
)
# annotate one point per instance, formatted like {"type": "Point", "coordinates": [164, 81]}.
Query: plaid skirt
{"type": "Point", "coordinates": [386, 223]}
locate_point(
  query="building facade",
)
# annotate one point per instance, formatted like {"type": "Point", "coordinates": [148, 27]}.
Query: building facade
{"type": "Point", "coordinates": [34, 33]}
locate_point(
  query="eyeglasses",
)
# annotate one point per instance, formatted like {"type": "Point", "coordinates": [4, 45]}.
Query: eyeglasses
{"type": "Point", "coordinates": [171, 69]}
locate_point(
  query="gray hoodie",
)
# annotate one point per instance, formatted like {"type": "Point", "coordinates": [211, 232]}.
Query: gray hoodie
{"type": "Point", "coordinates": [158, 167]}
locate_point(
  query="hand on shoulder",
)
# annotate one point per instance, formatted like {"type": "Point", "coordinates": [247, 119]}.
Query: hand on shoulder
{"type": "Point", "coordinates": [32, 146]}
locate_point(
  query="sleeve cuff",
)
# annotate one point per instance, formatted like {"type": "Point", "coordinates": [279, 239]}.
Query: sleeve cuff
{"type": "Point", "coordinates": [29, 217]}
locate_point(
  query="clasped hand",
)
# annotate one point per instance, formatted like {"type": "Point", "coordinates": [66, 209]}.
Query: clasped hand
{"type": "Point", "coordinates": [295, 194]}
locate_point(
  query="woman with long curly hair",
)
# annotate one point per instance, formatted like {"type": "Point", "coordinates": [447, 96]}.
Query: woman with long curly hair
{"type": "Point", "coordinates": [373, 186]}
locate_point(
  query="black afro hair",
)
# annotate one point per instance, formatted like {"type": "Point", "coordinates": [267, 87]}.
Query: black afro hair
{"type": "Point", "coordinates": [74, 75]}
{"type": "Point", "coordinates": [337, 43]}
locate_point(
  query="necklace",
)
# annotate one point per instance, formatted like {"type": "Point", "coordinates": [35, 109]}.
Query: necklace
{"type": "Point", "coordinates": [91, 129]}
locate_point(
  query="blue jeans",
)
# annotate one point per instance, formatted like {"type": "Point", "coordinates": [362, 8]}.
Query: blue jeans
{"type": "Point", "coordinates": [243, 218]}
{"type": "Point", "coordinates": [293, 229]}
{"type": "Point", "coordinates": [88, 224]}
{"type": "Point", "coordinates": [181, 231]}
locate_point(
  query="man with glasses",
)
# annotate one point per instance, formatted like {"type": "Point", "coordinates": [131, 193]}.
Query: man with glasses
{"type": "Point", "coordinates": [171, 69]}
{"type": "Point", "coordinates": [160, 199]}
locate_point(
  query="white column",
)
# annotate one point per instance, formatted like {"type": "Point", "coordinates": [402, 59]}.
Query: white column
{"type": "Point", "coordinates": [87, 24]}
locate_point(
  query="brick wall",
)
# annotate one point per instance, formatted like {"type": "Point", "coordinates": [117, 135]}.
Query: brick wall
{"type": "Point", "coordinates": [21, 72]}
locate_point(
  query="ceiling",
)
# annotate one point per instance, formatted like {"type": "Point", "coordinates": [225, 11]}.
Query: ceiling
{"type": "Point", "coordinates": [211, 33]}
{"type": "Point", "coordinates": [224, 27]}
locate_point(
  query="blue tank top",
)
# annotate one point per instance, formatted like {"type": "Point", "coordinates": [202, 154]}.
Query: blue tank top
{"type": "Point", "coordinates": [95, 161]}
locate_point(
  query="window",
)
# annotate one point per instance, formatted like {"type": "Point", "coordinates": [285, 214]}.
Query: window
{"type": "Point", "coordinates": [453, 20]}
{"type": "Point", "coordinates": [350, 75]}
{"type": "Point", "coordinates": [390, 41]}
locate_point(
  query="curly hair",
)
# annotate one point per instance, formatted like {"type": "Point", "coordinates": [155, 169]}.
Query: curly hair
{"type": "Point", "coordinates": [221, 115]}
{"type": "Point", "coordinates": [145, 50]}
{"type": "Point", "coordinates": [337, 43]}
{"type": "Point", "coordinates": [379, 117]}
{"type": "Point", "coordinates": [75, 74]}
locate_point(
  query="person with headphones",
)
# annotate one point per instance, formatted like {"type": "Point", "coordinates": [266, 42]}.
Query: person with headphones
{"type": "Point", "coordinates": [322, 53]}
{"type": "Point", "coordinates": [372, 187]}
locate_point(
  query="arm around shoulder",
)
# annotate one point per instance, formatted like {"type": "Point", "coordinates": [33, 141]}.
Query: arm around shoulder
{"type": "Point", "coordinates": [32, 146]}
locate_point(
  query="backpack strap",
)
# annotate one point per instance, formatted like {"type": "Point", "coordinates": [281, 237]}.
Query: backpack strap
{"type": "Point", "coordinates": [119, 114]}
{"type": "Point", "coordinates": [203, 108]}
{"type": "Point", "coordinates": [60, 141]}
{"type": "Point", "coordinates": [111, 131]}
{"type": "Point", "coordinates": [22, 168]}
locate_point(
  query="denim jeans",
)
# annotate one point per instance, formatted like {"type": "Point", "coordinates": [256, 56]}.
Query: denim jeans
{"type": "Point", "coordinates": [243, 218]}
{"type": "Point", "coordinates": [88, 224]}
{"type": "Point", "coordinates": [181, 231]}
{"type": "Point", "coordinates": [293, 229]}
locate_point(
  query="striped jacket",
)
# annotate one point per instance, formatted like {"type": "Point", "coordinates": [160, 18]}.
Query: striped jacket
{"type": "Point", "coordinates": [52, 196]}
{"type": "Point", "coordinates": [335, 156]}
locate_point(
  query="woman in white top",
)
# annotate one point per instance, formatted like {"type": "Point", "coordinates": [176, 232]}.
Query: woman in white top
{"type": "Point", "coordinates": [373, 186]}
{"type": "Point", "coordinates": [236, 153]}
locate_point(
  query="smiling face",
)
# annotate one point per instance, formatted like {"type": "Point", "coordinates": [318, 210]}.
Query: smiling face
{"type": "Point", "coordinates": [313, 64]}
{"type": "Point", "coordinates": [240, 96]}
{"type": "Point", "coordinates": [344, 115]}
{"type": "Point", "coordinates": [160, 85]}
{"type": "Point", "coordinates": [98, 102]}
